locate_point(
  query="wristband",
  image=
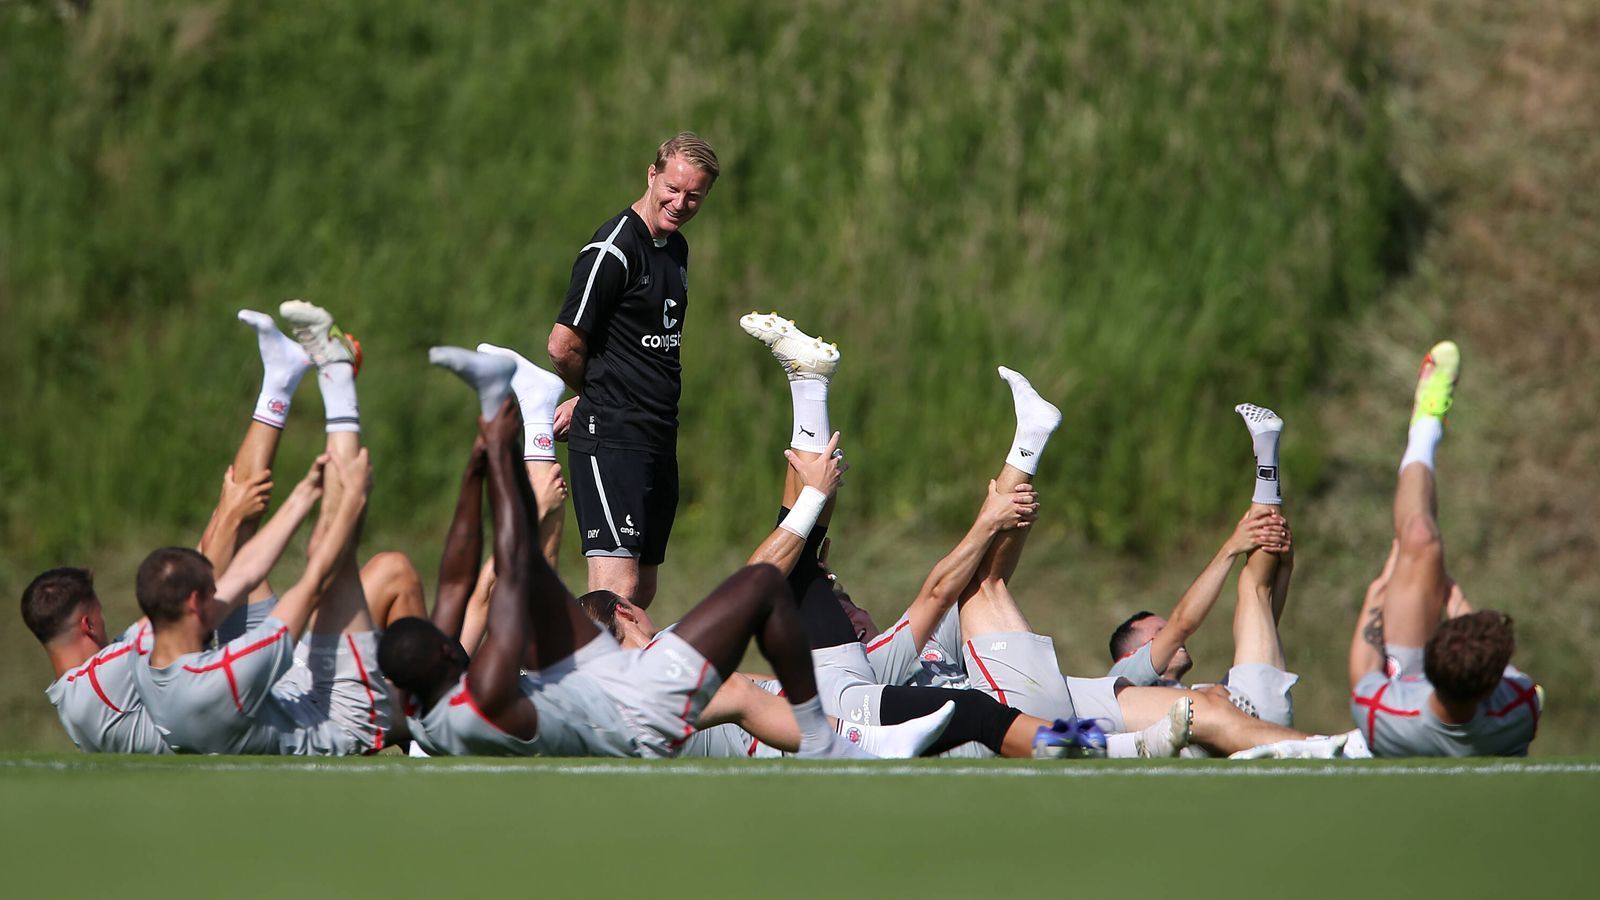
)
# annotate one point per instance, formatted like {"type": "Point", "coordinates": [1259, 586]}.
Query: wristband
{"type": "Point", "coordinates": [803, 515]}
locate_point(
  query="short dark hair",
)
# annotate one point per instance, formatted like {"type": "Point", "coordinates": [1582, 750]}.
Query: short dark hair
{"type": "Point", "coordinates": [1122, 642]}
{"type": "Point", "coordinates": [1466, 657]}
{"type": "Point", "coordinates": [53, 599]}
{"type": "Point", "coordinates": [166, 578]}
{"type": "Point", "coordinates": [414, 654]}
{"type": "Point", "coordinates": [601, 606]}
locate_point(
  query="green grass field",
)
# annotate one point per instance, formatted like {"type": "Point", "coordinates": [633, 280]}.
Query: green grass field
{"type": "Point", "coordinates": [393, 827]}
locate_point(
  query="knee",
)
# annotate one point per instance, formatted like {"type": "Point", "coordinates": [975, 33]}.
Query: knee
{"type": "Point", "coordinates": [1210, 714]}
{"type": "Point", "coordinates": [391, 567]}
{"type": "Point", "coordinates": [764, 578]}
{"type": "Point", "coordinates": [1419, 535]}
{"type": "Point", "coordinates": [621, 580]}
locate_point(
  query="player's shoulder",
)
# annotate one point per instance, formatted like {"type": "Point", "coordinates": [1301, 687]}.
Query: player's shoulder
{"type": "Point", "coordinates": [267, 633]}
{"type": "Point", "coordinates": [621, 230]}
{"type": "Point", "coordinates": [1515, 677]}
{"type": "Point", "coordinates": [1375, 681]}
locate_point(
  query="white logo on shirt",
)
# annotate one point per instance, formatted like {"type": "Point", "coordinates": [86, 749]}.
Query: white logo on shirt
{"type": "Point", "coordinates": [667, 321]}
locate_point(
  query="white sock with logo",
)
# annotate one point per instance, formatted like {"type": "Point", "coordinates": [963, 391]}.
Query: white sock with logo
{"type": "Point", "coordinates": [538, 394]}
{"type": "Point", "coordinates": [489, 375]}
{"type": "Point", "coordinates": [1037, 419]}
{"type": "Point", "coordinates": [811, 429]}
{"type": "Point", "coordinates": [904, 740]}
{"type": "Point", "coordinates": [1265, 427]}
{"type": "Point", "coordinates": [282, 364]}
{"type": "Point", "coordinates": [1422, 442]}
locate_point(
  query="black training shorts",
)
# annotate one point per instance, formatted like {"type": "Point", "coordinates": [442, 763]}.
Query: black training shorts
{"type": "Point", "coordinates": [625, 501]}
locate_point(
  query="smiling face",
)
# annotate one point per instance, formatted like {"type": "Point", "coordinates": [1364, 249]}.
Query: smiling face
{"type": "Point", "coordinates": [672, 196]}
{"type": "Point", "coordinates": [860, 620]}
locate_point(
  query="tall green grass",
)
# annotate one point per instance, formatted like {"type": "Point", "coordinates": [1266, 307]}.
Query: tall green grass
{"type": "Point", "coordinates": [1154, 210]}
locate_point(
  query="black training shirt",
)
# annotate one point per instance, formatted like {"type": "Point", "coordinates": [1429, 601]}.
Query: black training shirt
{"type": "Point", "coordinates": [629, 294]}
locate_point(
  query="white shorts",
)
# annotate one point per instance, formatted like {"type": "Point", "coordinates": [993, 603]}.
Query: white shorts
{"type": "Point", "coordinates": [1267, 690]}
{"type": "Point", "coordinates": [659, 691]}
{"type": "Point", "coordinates": [334, 697]}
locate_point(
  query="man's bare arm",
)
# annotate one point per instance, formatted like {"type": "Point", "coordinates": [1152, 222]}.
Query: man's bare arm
{"type": "Point", "coordinates": [254, 561]}
{"type": "Point", "coordinates": [240, 502]}
{"type": "Point", "coordinates": [569, 354]}
{"type": "Point", "coordinates": [1258, 528]}
{"type": "Point", "coordinates": [463, 546]}
{"type": "Point", "coordinates": [782, 548]}
{"type": "Point", "coordinates": [1366, 644]}
{"type": "Point", "coordinates": [950, 576]}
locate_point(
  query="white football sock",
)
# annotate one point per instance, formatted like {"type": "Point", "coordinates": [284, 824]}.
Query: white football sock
{"type": "Point", "coordinates": [811, 429]}
{"type": "Point", "coordinates": [339, 409]}
{"type": "Point", "coordinates": [1265, 427]}
{"type": "Point", "coordinates": [282, 364]}
{"type": "Point", "coordinates": [818, 740]}
{"type": "Point", "coordinates": [538, 393]}
{"type": "Point", "coordinates": [489, 375]}
{"type": "Point", "coordinates": [904, 740]}
{"type": "Point", "coordinates": [1422, 442]}
{"type": "Point", "coordinates": [1124, 745]}
{"type": "Point", "coordinates": [1037, 419]}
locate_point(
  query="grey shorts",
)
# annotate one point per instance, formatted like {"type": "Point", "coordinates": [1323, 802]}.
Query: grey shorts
{"type": "Point", "coordinates": [334, 699]}
{"type": "Point", "coordinates": [1267, 690]}
{"type": "Point", "coordinates": [1096, 698]}
{"type": "Point", "coordinates": [1019, 669]}
{"type": "Point", "coordinates": [582, 659]}
{"type": "Point", "coordinates": [659, 691]}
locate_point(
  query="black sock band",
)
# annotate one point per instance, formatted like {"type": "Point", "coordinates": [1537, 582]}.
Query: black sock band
{"type": "Point", "coordinates": [978, 716]}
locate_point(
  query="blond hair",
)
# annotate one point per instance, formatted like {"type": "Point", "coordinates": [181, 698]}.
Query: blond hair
{"type": "Point", "coordinates": [691, 149]}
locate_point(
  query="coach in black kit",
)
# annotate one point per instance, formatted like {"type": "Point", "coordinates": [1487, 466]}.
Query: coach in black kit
{"type": "Point", "coordinates": [616, 344]}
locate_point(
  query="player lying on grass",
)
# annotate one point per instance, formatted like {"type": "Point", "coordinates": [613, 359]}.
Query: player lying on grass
{"type": "Point", "coordinates": [235, 698]}
{"type": "Point", "coordinates": [738, 702]}
{"type": "Point", "coordinates": [1028, 659]}
{"type": "Point", "coordinates": [1150, 650]}
{"type": "Point", "coordinates": [94, 692]}
{"type": "Point", "coordinates": [1006, 657]}
{"type": "Point", "coordinates": [538, 685]}
{"type": "Point", "coordinates": [389, 580]}
{"type": "Point", "coordinates": [1449, 688]}
{"type": "Point", "coordinates": [851, 686]}
{"type": "Point", "coordinates": [752, 732]}
{"type": "Point", "coordinates": [757, 723]}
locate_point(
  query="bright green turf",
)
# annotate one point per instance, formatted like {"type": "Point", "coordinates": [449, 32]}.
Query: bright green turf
{"type": "Point", "coordinates": [540, 828]}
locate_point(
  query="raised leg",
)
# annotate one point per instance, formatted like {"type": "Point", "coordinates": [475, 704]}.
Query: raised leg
{"type": "Point", "coordinates": [393, 589]}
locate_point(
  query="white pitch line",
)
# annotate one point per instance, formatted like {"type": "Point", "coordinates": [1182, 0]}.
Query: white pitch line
{"type": "Point", "coordinates": [1061, 770]}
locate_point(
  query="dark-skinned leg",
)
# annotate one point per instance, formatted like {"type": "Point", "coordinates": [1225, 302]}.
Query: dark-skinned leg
{"type": "Point", "coordinates": [753, 602]}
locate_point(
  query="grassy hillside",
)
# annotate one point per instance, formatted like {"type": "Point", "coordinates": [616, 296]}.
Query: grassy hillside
{"type": "Point", "coordinates": [1154, 211]}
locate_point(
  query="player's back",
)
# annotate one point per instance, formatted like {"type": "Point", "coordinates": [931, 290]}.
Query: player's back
{"type": "Point", "coordinates": [1394, 715]}
{"type": "Point", "coordinates": [99, 705]}
{"type": "Point", "coordinates": [218, 701]}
